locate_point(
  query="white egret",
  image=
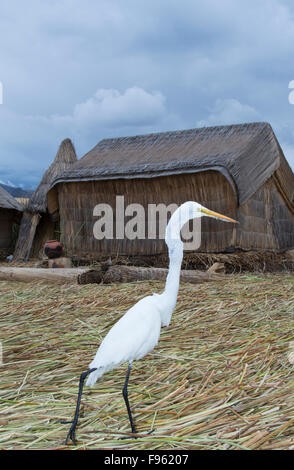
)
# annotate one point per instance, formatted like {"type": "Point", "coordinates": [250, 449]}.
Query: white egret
{"type": "Point", "coordinates": [137, 332]}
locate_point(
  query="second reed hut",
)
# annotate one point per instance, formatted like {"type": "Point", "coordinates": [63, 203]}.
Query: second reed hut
{"type": "Point", "coordinates": [37, 225]}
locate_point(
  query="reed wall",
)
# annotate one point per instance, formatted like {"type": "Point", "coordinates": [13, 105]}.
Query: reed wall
{"type": "Point", "coordinates": [77, 201]}
{"type": "Point", "coordinates": [266, 222]}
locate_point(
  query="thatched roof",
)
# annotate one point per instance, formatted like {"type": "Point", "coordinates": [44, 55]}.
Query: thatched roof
{"type": "Point", "coordinates": [8, 202]}
{"type": "Point", "coordinates": [65, 157]}
{"type": "Point", "coordinates": [24, 201]}
{"type": "Point", "coordinates": [247, 154]}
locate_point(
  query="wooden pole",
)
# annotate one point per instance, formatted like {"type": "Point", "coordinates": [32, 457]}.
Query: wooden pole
{"type": "Point", "coordinates": [35, 221]}
{"type": "Point", "coordinates": [39, 274]}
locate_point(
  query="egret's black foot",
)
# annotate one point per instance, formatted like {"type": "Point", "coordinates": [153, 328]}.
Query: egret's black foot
{"type": "Point", "coordinates": [71, 435]}
{"type": "Point", "coordinates": [65, 422]}
{"type": "Point", "coordinates": [129, 437]}
{"type": "Point", "coordinates": [151, 431]}
{"type": "Point", "coordinates": [72, 431]}
{"type": "Point", "coordinates": [134, 431]}
{"type": "Point", "coordinates": [137, 435]}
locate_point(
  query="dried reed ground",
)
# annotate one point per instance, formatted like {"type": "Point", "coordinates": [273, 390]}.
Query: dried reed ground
{"type": "Point", "coordinates": [220, 377]}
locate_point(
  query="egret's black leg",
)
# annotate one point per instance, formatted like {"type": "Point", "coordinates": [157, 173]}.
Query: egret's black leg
{"type": "Point", "coordinates": [125, 394]}
{"type": "Point", "coordinates": [72, 432]}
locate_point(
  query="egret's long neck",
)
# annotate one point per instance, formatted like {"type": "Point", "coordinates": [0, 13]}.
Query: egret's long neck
{"type": "Point", "coordinates": [175, 245]}
{"type": "Point", "coordinates": [173, 277]}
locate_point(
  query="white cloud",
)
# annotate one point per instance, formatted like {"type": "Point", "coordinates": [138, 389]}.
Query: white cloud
{"type": "Point", "coordinates": [110, 108]}
{"type": "Point", "coordinates": [108, 113]}
{"type": "Point", "coordinates": [229, 111]}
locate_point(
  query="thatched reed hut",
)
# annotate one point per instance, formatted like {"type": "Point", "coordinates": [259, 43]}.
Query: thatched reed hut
{"type": "Point", "coordinates": [238, 170]}
{"type": "Point", "coordinates": [37, 224]}
{"type": "Point", "coordinates": [10, 216]}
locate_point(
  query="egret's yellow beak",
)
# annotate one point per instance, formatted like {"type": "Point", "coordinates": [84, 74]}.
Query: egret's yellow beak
{"type": "Point", "coordinates": [217, 215]}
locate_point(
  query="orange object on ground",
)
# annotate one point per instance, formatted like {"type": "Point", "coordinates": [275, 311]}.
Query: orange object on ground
{"type": "Point", "coordinates": [53, 249]}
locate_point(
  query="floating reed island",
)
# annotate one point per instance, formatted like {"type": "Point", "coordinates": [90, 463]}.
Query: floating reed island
{"type": "Point", "coordinates": [221, 376]}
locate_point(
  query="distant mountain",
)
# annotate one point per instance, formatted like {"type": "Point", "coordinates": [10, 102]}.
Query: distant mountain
{"type": "Point", "coordinates": [17, 192]}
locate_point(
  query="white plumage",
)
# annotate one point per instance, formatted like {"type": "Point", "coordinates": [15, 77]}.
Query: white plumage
{"type": "Point", "coordinates": [131, 338]}
{"type": "Point", "coordinates": [137, 332]}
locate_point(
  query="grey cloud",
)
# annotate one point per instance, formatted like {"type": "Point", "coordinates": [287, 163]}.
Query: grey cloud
{"type": "Point", "coordinates": [184, 63]}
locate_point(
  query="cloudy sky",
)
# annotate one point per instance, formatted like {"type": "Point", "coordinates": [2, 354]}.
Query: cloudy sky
{"type": "Point", "coordinates": [93, 69]}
